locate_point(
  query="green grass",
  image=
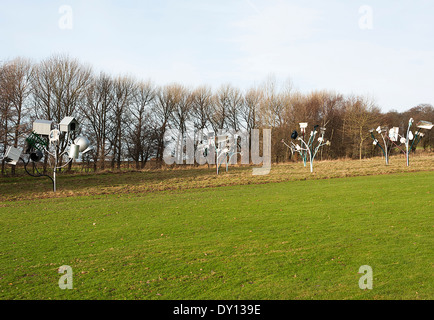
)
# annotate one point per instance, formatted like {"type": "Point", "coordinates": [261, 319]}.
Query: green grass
{"type": "Point", "coordinates": [289, 240]}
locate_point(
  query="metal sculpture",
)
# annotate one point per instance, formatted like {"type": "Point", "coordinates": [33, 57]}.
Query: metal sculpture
{"type": "Point", "coordinates": [392, 139]}
{"type": "Point", "coordinates": [223, 147]}
{"type": "Point", "coordinates": [309, 149]}
{"type": "Point", "coordinates": [225, 150]}
{"type": "Point", "coordinates": [386, 148]}
{"type": "Point", "coordinates": [45, 140]}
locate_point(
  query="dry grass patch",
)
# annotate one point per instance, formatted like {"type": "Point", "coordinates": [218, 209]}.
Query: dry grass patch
{"type": "Point", "coordinates": [180, 178]}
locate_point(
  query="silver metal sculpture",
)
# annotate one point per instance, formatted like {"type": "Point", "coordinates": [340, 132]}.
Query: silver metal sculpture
{"type": "Point", "coordinates": [223, 147]}
{"type": "Point", "coordinates": [392, 139]}
{"type": "Point", "coordinates": [226, 149]}
{"type": "Point", "coordinates": [309, 149]}
{"type": "Point", "coordinates": [386, 148]}
{"type": "Point", "coordinates": [421, 125]}
{"type": "Point", "coordinates": [45, 140]}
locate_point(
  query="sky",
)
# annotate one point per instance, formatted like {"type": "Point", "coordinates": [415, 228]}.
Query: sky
{"type": "Point", "coordinates": [381, 49]}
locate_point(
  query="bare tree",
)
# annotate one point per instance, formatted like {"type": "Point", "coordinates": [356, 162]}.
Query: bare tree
{"type": "Point", "coordinates": [141, 134]}
{"type": "Point", "coordinates": [202, 104]}
{"type": "Point", "coordinates": [123, 90]}
{"type": "Point", "coordinates": [95, 110]}
{"type": "Point", "coordinates": [235, 104]}
{"type": "Point", "coordinates": [162, 112]}
{"type": "Point", "coordinates": [21, 70]}
{"type": "Point", "coordinates": [14, 94]}
{"type": "Point", "coordinates": [59, 83]}
{"type": "Point", "coordinates": [272, 105]}
{"type": "Point", "coordinates": [359, 116]}
{"type": "Point", "coordinates": [250, 109]}
{"type": "Point", "coordinates": [182, 108]}
{"type": "Point", "coordinates": [5, 108]}
{"type": "Point", "coordinates": [221, 104]}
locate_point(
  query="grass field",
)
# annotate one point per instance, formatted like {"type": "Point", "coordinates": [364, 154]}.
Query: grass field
{"type": "Point", "coordinates": [188, 234]}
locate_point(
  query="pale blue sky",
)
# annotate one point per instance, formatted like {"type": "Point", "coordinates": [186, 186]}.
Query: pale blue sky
{"type": "Point", "coordinates": [316, 44]}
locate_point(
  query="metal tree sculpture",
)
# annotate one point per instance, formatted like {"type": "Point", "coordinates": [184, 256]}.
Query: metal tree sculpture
{"type": "Point", "coordinates": [386, 148]}
{"type": "Point", "coordinates": [225, 148]}
{"type": "Point", "coordinates": [392, 138]}
{"type": "Point", "coordinates": [421, 125]}
{"type": "Point", "coordinates": [45, 140]}
{"type": "Point", "coordinates": [309, 149]}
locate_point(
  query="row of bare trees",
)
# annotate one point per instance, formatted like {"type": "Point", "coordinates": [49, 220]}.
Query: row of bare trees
{"type": "Point", "coordinates": [126, 119]}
